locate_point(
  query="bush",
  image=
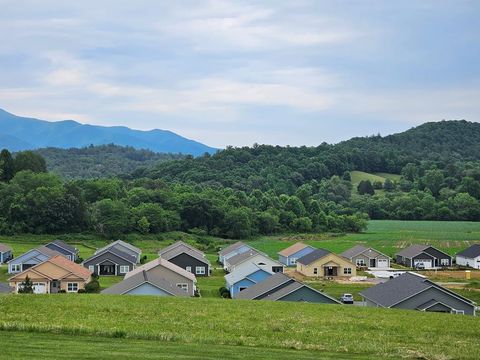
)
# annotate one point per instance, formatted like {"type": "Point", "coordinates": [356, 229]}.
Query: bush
{"type": "Point", "coordinates": [93, 287]}
{"type": "Point", "coordinates": [62, 291]}
{"type": "Point", "coordinates": [81, 291]}
{"type": "Point", "coordinates": [224, 293]}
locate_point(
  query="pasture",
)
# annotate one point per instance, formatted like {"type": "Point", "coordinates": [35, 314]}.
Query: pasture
{"type": "Point", "coordinates": [354, 332]}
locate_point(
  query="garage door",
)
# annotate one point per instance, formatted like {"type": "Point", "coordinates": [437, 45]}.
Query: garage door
{"type": "Point", "coordinates": [39, 288]}
{"type": "Point", "coordinates": [425, 262]}
{"type": "Point", "coordinates": [382, 263]}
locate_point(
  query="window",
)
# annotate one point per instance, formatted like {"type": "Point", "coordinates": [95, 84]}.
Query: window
{"type": "Point", "coordinates": [91, 268]}
{"type": "Point", "coordinates": [458, 312]}
{"type": "Point", "coordinates": [277, 269]}
{"type": "Point", "coordinates": [16, 267]}
{"type": "Point", "coordinates": [347, 271]}
{"type": "Point", "coordinates": [124, 269]}
{"type": "Point", "coordinates": [293, 261]}
{"type": "Point", "coordinates": [189, 269]}
{"type": "Point", "coordinates": [183, 286]}
{"type": "Point", "coordinates": [72, 287]}
{"type": "Point", "coordinates": [200, 270]}
{"type": "Point", "coordinates": [242, 288]}
{"type": "Point", "coordinates": [444, 262]}
{"type": "Point", "coordinates": [315, 271]}
{"type": "Point", "coordinates": [360, 262]}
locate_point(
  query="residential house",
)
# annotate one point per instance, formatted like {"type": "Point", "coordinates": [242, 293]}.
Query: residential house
{"type": "Point", "coordinates": [124, 247]}
{"type": "Point", "coordinates": [255, 257]}
{"type": "Point", "coordinates": [111, 261]}
{"type": "Point", "coordinates": [323, 263]}
{"type": "Point", "coordinates": [52, 275]}
{"type": "Point", "coordinates": [415, 292]}
{"type": "Point", "coordinates": [187, 257]}
{"type": "Point", "coordinates": [232, 250]}
{"type": "Point", "coordinates": [242, 278]}
{"type": "Point", "coordinates": [6, 253]}
{"type": "Point", "coordinates": [170, 272]}
{"type": "Point", "coordinates": [363, 256]}
{"type": "Point", "coordinates": [146, 283]}
{"type": "Point", "coordinates": [469, 257]}
{"type": "Point", "coordinates": [423, 255]}
{"type": "Point", "coordinates": [280, 287]}
{"type": "Point", "coordinates": [30, 258]}
{"type": "Point", "coordinates": [70, 252]}
{"type": "Point", "coordinates": [289, 256]}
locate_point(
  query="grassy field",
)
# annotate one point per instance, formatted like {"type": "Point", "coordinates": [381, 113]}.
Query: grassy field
{"type": "Point", "coordinates": [348, 330]}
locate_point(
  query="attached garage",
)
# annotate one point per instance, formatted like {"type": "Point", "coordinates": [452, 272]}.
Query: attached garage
{"type": "Point", "coordinates": [39, 288]}
{"type": "Point", "coordinates": [426, 262]}
{"type": "Point", "coordinates": [382, 263]}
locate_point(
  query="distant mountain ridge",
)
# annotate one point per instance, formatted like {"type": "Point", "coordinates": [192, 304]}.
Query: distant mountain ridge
{"type": "Point", "coordinates": [21, 133]}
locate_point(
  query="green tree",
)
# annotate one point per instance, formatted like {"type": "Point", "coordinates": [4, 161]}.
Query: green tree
{"type": "Point", "coordinates": [7, 166]}
{"type": "Point", "coordinates": [28, 160]}
{"type": "Point", "coordinates": [433, 180]}
{"type": "Point", "coordinates": [143, 225]}
{"type": "Point", "coordinates": [365, 187]}
{"type": "Point", "coordinates": [26, 286]}
{"type": "Point", "coordinates": [389, 185]}
{"type": "Point", "coordinates": [110, 218]}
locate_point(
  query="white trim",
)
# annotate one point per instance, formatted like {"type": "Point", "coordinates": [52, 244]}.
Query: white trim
{"type": "Point", "coordinates": [111, 253]}
{"type": "Point", "coordinates": [91, 268]}
{"type": "Point", "coordinates": [146, 282]}
{"type": "Point", "coordinates": [72, 283]}
{"type": "Point", "coordinates": [183, 286]}
{"type": "Point", "coordinates": [123, 266]}
{"type": "Point", "coordinates": [439, 288]}
{"type": "Point", "coordinates": [200, 270]}
{"type": "Point", "coordinates": [189, 269]}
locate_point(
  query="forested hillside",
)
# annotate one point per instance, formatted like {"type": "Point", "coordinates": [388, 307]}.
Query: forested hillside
{"type": "Point", "coordinates": [101, 161]}
{"type": "Point", "coordinates": [243, 192]}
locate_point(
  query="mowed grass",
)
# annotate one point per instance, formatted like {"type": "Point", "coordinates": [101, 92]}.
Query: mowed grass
{"type": "Point", "coordinates": [387, 236]}
{"type": "Point", "coordinates": [27, 345]}
{"type": "Point", "coordinates": [358, 332]}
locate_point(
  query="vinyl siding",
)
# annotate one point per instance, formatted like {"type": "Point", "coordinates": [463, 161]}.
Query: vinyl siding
{"type": "Point", "coordinates": [307, 295]}
{"type": "Point", "coordinates": [148, 289]}
{"type": "Point", "coordinates": [342, 263]}
{"type": "Point", "coordinates": [473, 263]}
{"type": "Point", "coordinates": [184, 260]}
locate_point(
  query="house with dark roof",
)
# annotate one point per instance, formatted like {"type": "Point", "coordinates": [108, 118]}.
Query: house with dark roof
{"type": "Point", "coordinates": [426, 256]}
{"type": "Point", "coordinates": [289, 256]}
{"type": "Point", "coordinates": [232, 250]}
{"type": "Point", "coordinates": [30, 258]}
{"type": "Point", "coordinates": [70, 252]}
{"type": "Point", "coordinates": [244, 277]}
{"type": "Point", "coordinates": [6, 253]}
{"type": "Point", "coordinates": [146, 283]}
{"type": "Point", "coordinates": [322, 263]}
{"type": "Point", "coordinates": [415, 292]}
{"type": "Point", "coordinates": [187, 257]}
{"type": "Point", "coordinates": [368, 257]}
{"type": "Point", "coordinates": [252, 257]}
{"type": "Point", "coordinates": [470, 257]}
{"type": "Point", "coordinates": [124, 247]}
{"type": "Point", "coordinates": [280, 287]}
{"type": "Point", "coordinates": [111, 261]}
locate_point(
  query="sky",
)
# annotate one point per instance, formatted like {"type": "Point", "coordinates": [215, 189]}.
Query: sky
{"type": "Point", "coordinates": [243, 72]}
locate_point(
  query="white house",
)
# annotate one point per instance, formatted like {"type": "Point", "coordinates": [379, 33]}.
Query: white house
{"type": "Point", "coordinates": [470, 257]}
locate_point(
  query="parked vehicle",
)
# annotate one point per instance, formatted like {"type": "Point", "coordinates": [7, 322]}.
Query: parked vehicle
{"type": "Point", "coordinates": [347, 298]}
{"type": "Point", "coordinates": [420, 266]}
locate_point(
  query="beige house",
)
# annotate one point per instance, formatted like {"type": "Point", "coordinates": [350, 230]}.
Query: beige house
{"type": "Point", "coordinates": [325, 264]}
{"type": "Point", "coordinates": [53, 275]}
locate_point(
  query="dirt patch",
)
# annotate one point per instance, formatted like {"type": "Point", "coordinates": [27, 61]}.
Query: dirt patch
{"type": "Point", "coordinates": [451, 274]}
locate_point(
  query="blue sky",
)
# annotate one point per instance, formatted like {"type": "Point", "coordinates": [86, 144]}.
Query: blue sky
{"type": "Point", "coordinates": [240, 72]}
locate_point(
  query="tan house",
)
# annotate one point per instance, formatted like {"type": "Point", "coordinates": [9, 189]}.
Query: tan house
{"type": "Point", "coordinates": [325, 264]}
{"type": "Point", "coordinates": [53, 275]}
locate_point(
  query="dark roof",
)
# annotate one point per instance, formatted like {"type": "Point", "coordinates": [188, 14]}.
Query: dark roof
{"type": "Point", "coordinates": [470, 252]}
{"type": "Point", "coordinates": [47, 251]}
{"type": "Point", "coordinates": [142, 278]}
{"type": "Point", "coordinates": [398, 289]}
{"type": "Point", "coordinates": [114, 250]}
{"type": "Point", "coordinates": [232, 247]}
{"type": "Point", "coordinates": [5, 248]}
{"type": "Point", "coordinates": [182, 249]}
{"type": "Point", "coordinates": [350, 253]}
{"type": "Point", "coordinates": [262, 287]}
{"type": "Point", "coordinates": [64, 245]}
{"type": "Point", "coordinates": [314, 255]}
{"type": "Point", "coordinates": [412, 250]}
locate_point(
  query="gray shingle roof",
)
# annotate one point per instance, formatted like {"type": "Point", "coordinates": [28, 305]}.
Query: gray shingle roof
{"type": "Point", "coordinates": [121, 243]}
{"type": "Point", "coordinates": [48, 252]}
{"type": "Point", "coordinates": [114, 250]}
{"type": "Point", "coordinates": [180, 249]}
{"type": "Point", "coordinates": [65, 246]}
{"type": "Point", "coordinates": [237, 259]}
{"type": "Point", "coordinates": [350, 253]}
{"type": "Point", "coordinates": [470, 252]}
{"type": "Point", "coordinates": [142, 278]}
{"type": "Point", "coordinates": [412, 250]}
{"type": "Point", "coordinates": [314, 255]}
{"type": "Point", "coordinates": [232, 247]}
{"type": "Point", "coordinates": [180, 244]}
{"type": "Point", "coordinates": [262, 287]}
{"type": "Point", "coordinates": [5, 248]}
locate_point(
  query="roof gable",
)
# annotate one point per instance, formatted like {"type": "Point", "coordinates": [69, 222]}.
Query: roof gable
{"type": "Point", "coordinates": [313, 256]}
{"type": "Point", "coordinates": [180, 244]}
{"type": "Point", "coordinates": [5, 248]}
{"type": "Point", "coordinates": [179, 250]}
{"type": "Point", "coordinates": [232, 248]}
{"type": "Point", "coordinates": [115, 251]}
{"type": "Point", "coordinates": [163, 263]}
{"type": "Point", "coordinates": [63, 245]}
{"type": "Point", "coordinates": [350, 253]}
{"type": "Point", "coordinates": [293, 249]}
{"type": "Point", "coordinates": [470, 252]}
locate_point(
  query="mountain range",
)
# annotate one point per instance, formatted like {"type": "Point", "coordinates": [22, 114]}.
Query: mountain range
{"type": "Point", "coordinates": [21, 133]}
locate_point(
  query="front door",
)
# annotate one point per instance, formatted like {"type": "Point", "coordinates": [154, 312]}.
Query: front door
{"type": "Point", "coordinates": [107, 270]}
{"type": "Point", "coordinates": [373, 263]}
{"type": "Point", "coordinates": [331, 271]}
{"type": "Point", "coordinates": [54, 286]}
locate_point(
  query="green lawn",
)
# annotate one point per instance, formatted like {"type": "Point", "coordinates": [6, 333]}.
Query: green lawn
{"type": "Point", "coordinates": [142, 321]}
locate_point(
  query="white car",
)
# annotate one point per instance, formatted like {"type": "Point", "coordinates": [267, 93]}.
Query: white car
{"type": "Point", "coordinates": [347, 298]}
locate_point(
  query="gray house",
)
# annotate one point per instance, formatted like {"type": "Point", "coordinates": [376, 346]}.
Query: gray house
{"type": "Point", "coordinates": [30, 258]}
{"type": "Point", "coordinates": [169, 272]}
{"type": "Point", "coordinates": [415, 292]}
{"type": "Point", "coordinates": [146, 283]}
{"type": "Point", "coordinates": [187, 257]}
{"type": "Point", "coordinates": [423, 255]}
{"type": "Point", "coordinates": [124, 247]}
{"type": "Point", "coordinates": [111, 261]}
{"type": "Point", "coordinates": [280, 287]}
{"type": "Point", "coordinates": [70, 252]}
{"type": "Point", "coordinates": [363, 256]}
{"type": "Point", "coordinates": [6, 253]}
{"type": "Point", "coordinates": [232, 250]}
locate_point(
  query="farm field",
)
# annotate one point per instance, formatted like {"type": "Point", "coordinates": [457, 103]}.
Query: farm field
{"type": "Point", "coordinates": [252, 324]}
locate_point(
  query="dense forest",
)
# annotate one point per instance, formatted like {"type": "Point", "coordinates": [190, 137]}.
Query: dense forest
{"type": "Point", "coordinates": [101, 160]}
{"type": "Point", "coordinates": [241, 192]}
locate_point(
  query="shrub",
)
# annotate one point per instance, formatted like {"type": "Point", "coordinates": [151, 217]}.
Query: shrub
{"type": "Point", "coordinates": [92, 287]}
{"type": "Point", "coordinates": [81, 291]}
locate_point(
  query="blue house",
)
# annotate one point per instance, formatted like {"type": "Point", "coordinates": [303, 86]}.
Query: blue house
{"type": "Point", "coordinates": [5, 253]}
{"type": "Point", "coordinates": [31, 258]}
{"type": "Point", "coordinates": [243, 278]}
{"type": "Point", "coordinates": [70, 252]}
{"type": "Point", "coordinates": [232, 250]}
{"type": "Point", "coordinates": [290, 255]}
